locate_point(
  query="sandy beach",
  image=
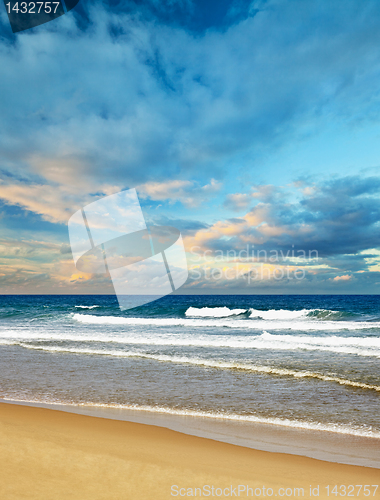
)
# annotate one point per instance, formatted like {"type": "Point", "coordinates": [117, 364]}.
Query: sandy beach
{"type": "Point", "coordinates": [50, 454]}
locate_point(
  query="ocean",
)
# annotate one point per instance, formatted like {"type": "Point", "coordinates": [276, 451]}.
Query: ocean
{"type": "Point", "coordinates": [309, 362]}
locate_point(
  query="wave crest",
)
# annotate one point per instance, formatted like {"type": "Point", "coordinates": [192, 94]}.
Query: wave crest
{"type": "Point", "coordinates": [298, 324]}
{"type": "Point", "coordinates": [283, 314]}
{"type": "Point", "coordinates": [271, 314]}
{"type": "Point", "coordinates": [213, 312]}
{"type": "Point", "coordinates": [86, 307]}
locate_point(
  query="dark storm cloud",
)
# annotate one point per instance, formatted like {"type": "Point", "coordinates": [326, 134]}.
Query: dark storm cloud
{"type": "Point", "coordinates": [338, 219]}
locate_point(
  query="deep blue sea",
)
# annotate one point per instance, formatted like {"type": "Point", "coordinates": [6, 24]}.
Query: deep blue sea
{"type": "Point", "coordinates": [300, 361]}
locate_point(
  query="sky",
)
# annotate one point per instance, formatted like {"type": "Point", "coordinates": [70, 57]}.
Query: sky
{"type": "Point", "coordinates": [251, 126]}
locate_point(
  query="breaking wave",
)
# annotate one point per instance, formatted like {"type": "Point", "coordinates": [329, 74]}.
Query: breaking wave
{"type": "Point", "coordinates": [272, 314]}
{"type": "Point", "coordinates": [86, 307]}
{"type": "Point", "coordinates": [213, 312]}
{"type": "Point", "coordinates": [300, 323]}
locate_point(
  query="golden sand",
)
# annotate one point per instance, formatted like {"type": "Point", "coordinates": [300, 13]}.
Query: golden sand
{"type": "Point", "coordinates": [52, 455]}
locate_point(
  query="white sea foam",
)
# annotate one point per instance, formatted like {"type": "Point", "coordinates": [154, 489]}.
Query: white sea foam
{"type": "Point", "coordinates": [217, 364]}
{"type": "Point", "coordinates": [352, 430]}
{"type": "Point", "coordinates": [303, 324]}
{"type": "Point", "coordinates": [272, 314]}
{"type": "Point", "coordinates": [362, 346]}
{"type": "Point", "coordinates": [86, 307]}
{"type": "Point", "coordinates": [213, 312]}
{"type": "Point", "coordinates": [282, 314]}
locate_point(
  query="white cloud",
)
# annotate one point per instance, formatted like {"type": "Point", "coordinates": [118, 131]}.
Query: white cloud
{"type": "Point", "coordinates": [263, 193]}
{"type": "Point", "coordinates": [55, 203]}
{"type": "Point", "coordinates": [345, 277]}
{"type": "Point", "coordinates": [188, 193]}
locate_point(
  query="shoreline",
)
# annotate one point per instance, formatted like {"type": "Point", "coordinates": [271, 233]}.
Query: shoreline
{"type": "Point", "coordinates": [323, 445]}
{"type": "Point", "coordinates": [50, 454]}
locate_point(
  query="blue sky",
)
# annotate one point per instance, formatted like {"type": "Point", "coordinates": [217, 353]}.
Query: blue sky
{"type": "Point", "coordinates": [242, 123]}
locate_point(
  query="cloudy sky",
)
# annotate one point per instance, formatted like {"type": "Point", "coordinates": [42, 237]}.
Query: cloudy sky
{"type": "Point", "coordinates": [249, 125]}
